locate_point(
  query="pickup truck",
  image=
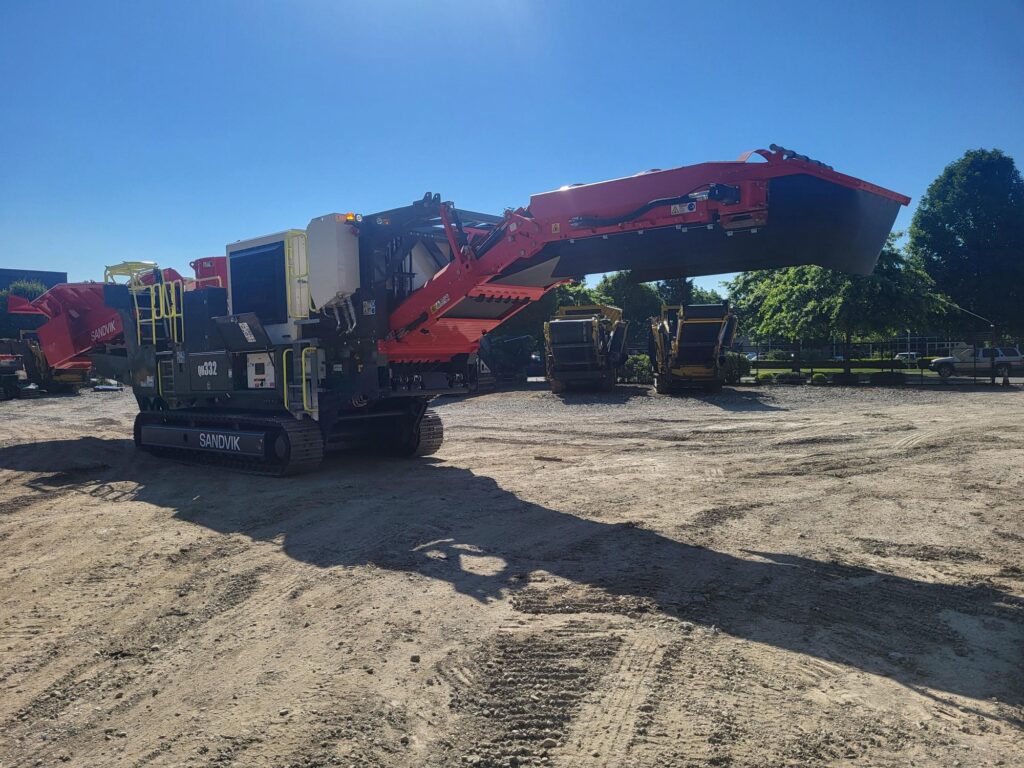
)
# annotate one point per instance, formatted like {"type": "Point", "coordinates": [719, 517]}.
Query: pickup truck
{"type": "Point", "coordinates": [1005, 360]}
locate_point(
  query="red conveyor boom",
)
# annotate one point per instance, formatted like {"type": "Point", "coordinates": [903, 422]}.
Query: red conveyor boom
{"type": "Point", "coordinates": [710, 218]}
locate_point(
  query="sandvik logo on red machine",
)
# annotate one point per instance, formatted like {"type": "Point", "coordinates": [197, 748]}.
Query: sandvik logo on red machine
{"type": "Point", "coordinates": [105, 330]}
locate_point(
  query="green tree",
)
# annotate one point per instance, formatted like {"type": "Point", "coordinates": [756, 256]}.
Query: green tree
{"type": "Point", "coordinates": [675, 292]}
{"type": "Point", "coordinates": [706, 296]}
{"type": "Point", "coordinates": [639, 302]}
{"type": "Point", "coordinates": [575, 292]}
{"type": "Point", "coordinates": [812, 303]}
{"type": "Point", "coordinates": [681, 290]}
{"type": "Point", "coordinates": [968, 231]}
{"type": "Point", "coordinates": [746, 295]}
{"type": "Point", "coordinates": [12, 325]}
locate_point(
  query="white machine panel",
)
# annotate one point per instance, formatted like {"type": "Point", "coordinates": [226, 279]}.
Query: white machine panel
{"type": "Point", "coordinates": [260, 371]}
{"type": "Point", "coordinates": [332, 250]}
{"type": "Point", "coordinates": [425, 266]}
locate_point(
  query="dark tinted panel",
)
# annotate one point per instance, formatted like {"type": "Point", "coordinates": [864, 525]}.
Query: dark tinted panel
{"type": "Point", "coordinates": [258, 283]}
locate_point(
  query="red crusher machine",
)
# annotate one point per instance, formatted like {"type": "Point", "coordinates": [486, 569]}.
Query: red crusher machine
{"type": "Point", "coordinates": [338, 335]}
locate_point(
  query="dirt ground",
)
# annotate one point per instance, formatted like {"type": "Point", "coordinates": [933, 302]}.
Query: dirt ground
{"type": "Point", "coordinates": [784, 576]}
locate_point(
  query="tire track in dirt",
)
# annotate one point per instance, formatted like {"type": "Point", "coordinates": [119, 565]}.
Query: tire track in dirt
{"type": "Point", "coordinates": [923, 438]}
{"type": "Point", "coordinates": [603, 731]}
{"type": "Point", "coordinates": [125, 654]}
{"type": "Point", "coordinates": [579, 599]}
{"type": "Point", "coordinates": [520, 691]}
{"type": "Point", "coordinates": [732, 709]}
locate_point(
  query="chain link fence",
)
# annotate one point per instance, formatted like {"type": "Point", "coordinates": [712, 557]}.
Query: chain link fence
{"type": "Point", "coordinates": [908, 359]}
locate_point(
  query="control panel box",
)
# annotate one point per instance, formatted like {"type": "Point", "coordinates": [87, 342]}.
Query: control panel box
{"type": "Point", "coordinates": [260, 371]}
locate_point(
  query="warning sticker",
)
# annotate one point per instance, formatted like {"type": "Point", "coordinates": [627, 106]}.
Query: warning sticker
{"type": "Point", "coordinates": [681, 208]}
{"type": "Point", "coordinates": [437, 305]}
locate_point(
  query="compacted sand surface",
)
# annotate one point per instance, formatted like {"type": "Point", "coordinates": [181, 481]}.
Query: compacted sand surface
{"type": "Point", "coordinates": [782, 576]}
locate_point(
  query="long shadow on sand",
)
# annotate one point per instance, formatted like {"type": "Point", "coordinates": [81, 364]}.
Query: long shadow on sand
{"type": "Point", "coordinates": [428, 518]}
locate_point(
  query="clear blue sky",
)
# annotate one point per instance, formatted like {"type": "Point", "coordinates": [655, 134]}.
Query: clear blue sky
{"type": "Point", "coordinates": [164, 130]}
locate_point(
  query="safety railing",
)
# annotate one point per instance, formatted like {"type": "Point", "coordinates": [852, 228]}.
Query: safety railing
{"type": "Point", "coordinates": [286, 379]}
{"type": "Point", "coordinates": [165, 304]}
{"type": "Point", "coordinates": [138, 320]}
{"type": "Point", "coordinates": [160, 366]}
{"type": "Point", "coordinates": [307, 395]}
{"type": "Point", "coordinates": [306, 379]}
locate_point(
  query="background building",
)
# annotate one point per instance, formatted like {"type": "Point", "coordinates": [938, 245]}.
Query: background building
{"type": "Point", "coordinates": [49, 279]}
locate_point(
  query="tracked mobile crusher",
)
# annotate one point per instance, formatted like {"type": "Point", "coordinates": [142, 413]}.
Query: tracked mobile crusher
{"type": "Point", "coordinates": [340, 334]}
{"type": "Point", "coordinates": [688, 345]}
{"type": "Point", "coordinates": [586, 345]}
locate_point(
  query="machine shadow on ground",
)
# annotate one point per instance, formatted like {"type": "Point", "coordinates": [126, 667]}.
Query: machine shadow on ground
{"type": "Point", "coordinates": [427, 518]}
{"type": "Point", "coordinates": [741, 400]}
{"type": "Point", "coordinates": [729, 399]}
{"type": "Point", "coordinates": [622, 393]}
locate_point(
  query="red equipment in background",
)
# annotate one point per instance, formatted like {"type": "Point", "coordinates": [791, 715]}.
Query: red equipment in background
{"type": "Point", "coordinates": [79, 321]}
{"type": "Point", "coordinates": [212, 270]}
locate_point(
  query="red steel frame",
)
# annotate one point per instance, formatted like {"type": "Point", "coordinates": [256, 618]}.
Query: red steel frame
{"type": "Point", "coordinates": [434, 337]}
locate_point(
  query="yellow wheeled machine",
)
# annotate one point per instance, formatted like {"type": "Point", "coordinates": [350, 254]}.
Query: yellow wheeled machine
{"type": "Point", "coordinates": [687, 347]}
{"type": "Point", "coordinates": [586, 345]}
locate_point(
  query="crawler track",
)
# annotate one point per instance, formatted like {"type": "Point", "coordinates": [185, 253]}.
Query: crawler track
{"type": "Point", "coordinates": [292, 446]}
{"type": "Point", "coordinates": [431, 434]}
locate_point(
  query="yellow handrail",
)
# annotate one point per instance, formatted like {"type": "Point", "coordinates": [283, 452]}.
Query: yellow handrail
{"type": "Point", "coordinates": [174, 291]}
{"type": "Point", "coordinates": [284, 370]}
{"type": "Point", "coordinates": [138, 320]}
{"type": "Point", "coordinates": [129, 269]}
{"type": "Point", "coordinates": [306, 390]}
{"type": "Point", "coordinates": [154, 310]}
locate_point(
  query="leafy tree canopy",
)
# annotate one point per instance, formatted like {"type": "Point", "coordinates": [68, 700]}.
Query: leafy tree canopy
{"type": "Point", "coordinates": [638, 301]}
{"type": "Point", "coordinates": [681, 290]}
{"type": "Point", "coordinates": [968, 232]}
{"type": "Point", "coordinates": [12, 325]}
{"type": "Point", "coordinates": [706, 296]}
{"type": "Point", "coordinates": [676, 291]}
{"type": "Point", "coordinates": [813, 304]}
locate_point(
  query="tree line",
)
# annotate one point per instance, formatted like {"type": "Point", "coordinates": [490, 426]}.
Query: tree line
{"type": "Point", "coordinates": [11, 326]}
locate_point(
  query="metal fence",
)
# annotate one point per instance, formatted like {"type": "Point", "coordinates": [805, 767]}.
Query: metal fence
{"type": "Point", "coordinates": [909, 356]}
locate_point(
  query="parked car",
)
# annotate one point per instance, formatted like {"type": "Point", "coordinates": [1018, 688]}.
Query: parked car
{"type": "Point", "coordinates": [1004, 360]}
{"type": "Point", "coordinates": [908, 358]}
